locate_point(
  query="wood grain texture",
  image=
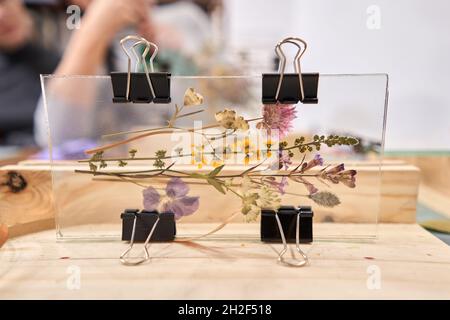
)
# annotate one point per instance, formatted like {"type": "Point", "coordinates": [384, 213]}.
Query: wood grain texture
{"type": "Point", "coordinates": [28, 210]}
{"type": "Point", "coordinates": [412, 264]}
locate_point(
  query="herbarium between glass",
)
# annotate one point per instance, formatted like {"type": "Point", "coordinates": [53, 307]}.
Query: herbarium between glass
{"type": "Point", "coordinates": [215, 154]}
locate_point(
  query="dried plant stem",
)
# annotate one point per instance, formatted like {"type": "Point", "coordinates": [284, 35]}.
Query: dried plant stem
{"type": "Point", "coordinates": [162, 158]}
{"type": "Point", "coordinates": [168, 130]}
{"type": "Point", "coordinates": [177, 174]}
{"type": "Point", "coordinates": [300, 145]}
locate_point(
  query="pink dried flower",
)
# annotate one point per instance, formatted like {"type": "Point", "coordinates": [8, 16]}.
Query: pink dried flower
{"type": "Point", "coordinates": [278, 117]}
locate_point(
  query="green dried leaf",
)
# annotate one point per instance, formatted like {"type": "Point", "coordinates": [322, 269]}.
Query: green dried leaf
{"type": "Point", "coordinates": [325, 199]}
{"type": "Point", "coordinates": [216, 184]}
{"type": "Point", "coordinates": [197, 176]}
{"type": "Point", "coordinates": [216, 171]}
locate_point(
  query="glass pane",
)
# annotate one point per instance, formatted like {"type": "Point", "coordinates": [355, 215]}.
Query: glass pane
{"type": "Point", "coordinates": [81, 117]}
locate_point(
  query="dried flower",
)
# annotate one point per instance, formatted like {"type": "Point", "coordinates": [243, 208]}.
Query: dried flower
{"type": "Point", "coordinates": [151, 199]}
{"type": "Point", "coordinates": [249, 208]}
{"type": "Point", "coordinates": [348, 178]}
{"type": "Point", "coordinates": [159, 162]}
{"type": "Point", "coordinates": [278, 117]}
{"type": "Point", "coordinates": [192, 98]}
{"type": "Point", "coordinates": [175, 200]}
{"type": "Point", "coordinates": [325, 199]}
{"type": "Point", "coordinates": [283, 161]}
{"type": "Point", "coordinates": [339, 174]}
{"type": "Point", "coordinates": [279, 186]}
{"type": "Point", "coordinates": [336, 169]}
{"type": "Point", "coordinates": [97, 156]}
{"type": "Point", "coordinates": [92, 167]}
{"type": "Point", "coordinates": [254, 200]}
{"type": "Point", "coordinates": [317, 161]}
{"type": "Point", "coordinates": [330, 141]}
{"type": "Point", "coordinates": [121, 163]}
{"type": "Point", "coordinates": [179, 151]}
{"type": "Point", "coordinates": [132, 153]}
{"type": "Point", "coordinates": [310, 187]}
{"type": "Point", "coordinates": [229, 120]}
{"type": "Point", "coordinates": [267, 199]}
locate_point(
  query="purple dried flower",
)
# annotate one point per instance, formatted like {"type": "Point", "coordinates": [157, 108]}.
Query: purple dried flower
{"type": "Point", "coordinates": [348, 178]}
{"type": "Point", "coordinates": [176, 199]}
{"type": "Point", "coordinates": [310, 187]}
{"type": "Point", "coordinates": [278, 116]}
{"type": "Point", "coordinates": [176, 188]}
{"type": "Point", "coordinates": [151, 199]}
{"type": "Point", "coordinates": [317, 161]}
{"type": "Point", "coordinates": [183, 206]}
{"type": "Point", "coordinates": [279, 186]}
{"type": "Point", "coordinates": [283, 161]}
{"type": "Point", "coordinates": [339, 174]}
{"type": "Point", "coordinates": [336, 169]}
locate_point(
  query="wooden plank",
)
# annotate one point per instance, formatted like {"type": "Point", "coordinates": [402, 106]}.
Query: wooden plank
{"type": "Point", "coordinates": [435, 170]}
{"type": "Point", "coordinates": [434, 190]}
{"type": "Point", "coordinates": [409, 263]}
{"type": "Point", "coordinates": [28, 210]}
{"type": "Point", "coordinates": [80, 200]}
{"type": "Point", "coordinates": [435, 199]}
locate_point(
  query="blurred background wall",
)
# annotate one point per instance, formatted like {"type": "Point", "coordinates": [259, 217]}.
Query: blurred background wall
{"type": "Point", "coordinates": [408, 39]}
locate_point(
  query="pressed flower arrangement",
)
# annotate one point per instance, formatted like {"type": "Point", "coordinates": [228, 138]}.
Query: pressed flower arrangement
{"type": "Point", "coordinates": [268, 162]}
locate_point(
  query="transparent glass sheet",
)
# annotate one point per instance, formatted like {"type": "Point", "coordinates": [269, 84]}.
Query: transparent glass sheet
{"type": "Point", "coordinates": [81, 115]}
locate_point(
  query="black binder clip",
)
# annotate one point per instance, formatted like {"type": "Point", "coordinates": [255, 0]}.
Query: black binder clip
{"type": "Point", "coordinates": [145, 226]}
{"type": "Point", "coordinates": [288, 218]}
{"type": "Point", "coordinates": [140, 87]}
{"type": "Point", "coordinates": [290, 88]}
{"type": "Point", "coordinates": [286, 225]}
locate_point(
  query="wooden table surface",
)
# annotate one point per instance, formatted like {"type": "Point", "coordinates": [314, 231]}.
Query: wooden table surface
{"type": "Point", "coordinates": [405, 262]}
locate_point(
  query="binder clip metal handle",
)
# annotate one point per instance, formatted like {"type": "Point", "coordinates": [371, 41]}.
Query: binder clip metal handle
{"type": "Point", "coordinates": [296, 263]}
{"type": "Point", "coordinates": [148, 45]}
{"type": "Point", "coordinates": [282, 64]}
{"type": "Point", "coordinates": [140, 87]}
{"type": "Point", "coordinates": [125, 259]}
{"type": "Point", "coordinates": [290, 88]}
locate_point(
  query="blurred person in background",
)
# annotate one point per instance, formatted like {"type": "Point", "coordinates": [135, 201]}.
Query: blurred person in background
{"type": "Point", "coordinates": [22, 58]}
{"type": "Point", "coordinates": [34, 39]}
